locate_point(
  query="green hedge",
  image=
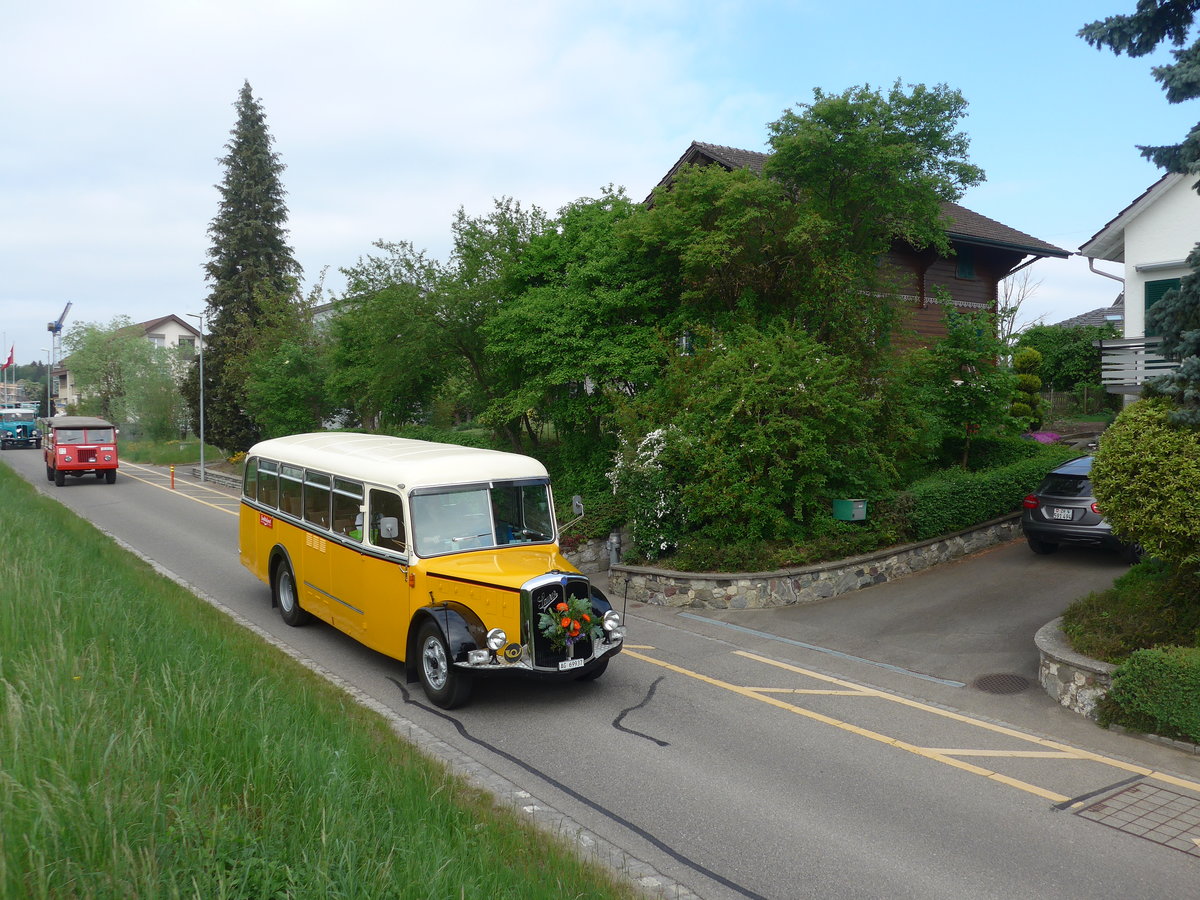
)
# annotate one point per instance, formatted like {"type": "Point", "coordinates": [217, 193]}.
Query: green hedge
{"type": "Point", "coordinates": [1158, 690]}
{"type": "Point", "coordinates": [956, 499]}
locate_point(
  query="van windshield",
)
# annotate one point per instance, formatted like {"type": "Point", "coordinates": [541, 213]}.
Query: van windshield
{"type": "Point", "coordinates": [479, 516]}
{"type": "Point", "coordinates": [79, 436]}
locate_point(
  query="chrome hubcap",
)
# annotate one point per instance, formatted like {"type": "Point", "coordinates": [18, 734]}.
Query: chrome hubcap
{"type": "Point", "coordinates": [433, 659]}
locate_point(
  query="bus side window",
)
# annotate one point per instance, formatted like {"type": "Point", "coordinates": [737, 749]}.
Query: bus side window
{"type": "Point", "coordinates": [250, 478]}
{"type": "Point", "coordinates": [291, 483]}
{"type": "Point", "coordinates": [347, 508]}
{"type": "Point", "coordinates": [316, 499]}
{"type": "Point", "coordinates": [268, 482]}
{"type": "Point", "coordinates": [386, 505]}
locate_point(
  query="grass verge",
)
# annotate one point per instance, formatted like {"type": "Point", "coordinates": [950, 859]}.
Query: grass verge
{"type": "Point", "coordinates": [149, 747]}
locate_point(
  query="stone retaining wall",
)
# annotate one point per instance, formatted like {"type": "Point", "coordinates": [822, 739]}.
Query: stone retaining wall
{"type": "Point", "coordinates": [763, 590]}
{"type": "Point", "coordinates": [1075, 681]}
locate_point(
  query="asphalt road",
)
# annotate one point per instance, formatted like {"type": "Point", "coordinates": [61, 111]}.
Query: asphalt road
{"type": "Point", "coordinates": [837, 750]}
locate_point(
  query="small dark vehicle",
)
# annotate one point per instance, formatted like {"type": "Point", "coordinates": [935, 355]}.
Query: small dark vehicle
{"type": "Point", "coordinates": [18, 428]}
{"type": "Point", "coordinates": [1063, 510]}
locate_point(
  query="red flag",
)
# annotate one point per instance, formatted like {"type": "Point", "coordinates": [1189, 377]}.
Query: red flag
{"type": "Point", "coordinates": [10, 358]}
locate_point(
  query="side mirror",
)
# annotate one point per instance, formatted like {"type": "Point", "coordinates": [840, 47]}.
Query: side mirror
{"type": "Point", "coordinates": [577, 509]}
{"type": "Point", "coordinates": [389, 527]}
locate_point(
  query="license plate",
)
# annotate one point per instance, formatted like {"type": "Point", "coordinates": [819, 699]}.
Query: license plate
{"type": "Point", "coordinates": [1058, 512]}
{"type": "Point", "coordinates": [571, 664]}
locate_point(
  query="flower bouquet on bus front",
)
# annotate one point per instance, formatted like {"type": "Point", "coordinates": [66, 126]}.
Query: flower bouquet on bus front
{"type": "Point", "coordinates": [569, 621]}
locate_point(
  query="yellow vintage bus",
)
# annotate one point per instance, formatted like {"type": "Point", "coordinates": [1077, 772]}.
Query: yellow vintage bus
{"type": "Point", "coordinates": [443, 557]}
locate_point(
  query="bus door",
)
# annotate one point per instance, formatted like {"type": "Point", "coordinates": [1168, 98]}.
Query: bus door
{"type": "Point", "coordinates": [382, 589]}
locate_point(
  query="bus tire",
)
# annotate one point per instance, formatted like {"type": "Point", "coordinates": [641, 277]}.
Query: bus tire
{"type": "Point", "coordinates": [287, 598]}
{"type": "Point", "coordinates": [443, 685]}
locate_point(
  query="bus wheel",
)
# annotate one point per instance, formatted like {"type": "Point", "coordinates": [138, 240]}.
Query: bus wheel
{"type": "Point", "coordinates": [443, 685]}
{"type": "Point", "coordinates": [286, 599]}
{"type": "Point", "coordinates": [110, 476]}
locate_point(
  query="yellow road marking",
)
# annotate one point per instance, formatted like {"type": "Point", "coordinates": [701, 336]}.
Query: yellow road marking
{"type": "Point", "coordinates": [169, 490]}
{"type": "Point", "coordinates": [945, 756]}
{"type": "Point", "coordinates": [989, 726]}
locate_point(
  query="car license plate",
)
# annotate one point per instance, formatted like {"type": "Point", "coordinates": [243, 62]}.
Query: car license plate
{"type": "Point", "coordinates": [571, 664]}
{"type": "Point", "coordinates": [1058, 512]}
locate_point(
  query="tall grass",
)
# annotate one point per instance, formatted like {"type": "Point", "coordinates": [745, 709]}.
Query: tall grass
{"type": "Point", "coordinates": [168, 453]}
{"type": "Point", "coordinates": [151, 748]}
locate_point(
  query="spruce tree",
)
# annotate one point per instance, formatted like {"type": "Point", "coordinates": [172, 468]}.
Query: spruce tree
{"type": "Point", "coordinates": [1177, 316]}
{"type": "Point", "coordinates": [249, 261]}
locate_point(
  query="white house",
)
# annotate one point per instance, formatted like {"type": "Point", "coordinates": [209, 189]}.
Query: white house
{"type": "Point", "coordinates": [168, 331]}
{"type": "Point", "coordinates": [1152, 238]}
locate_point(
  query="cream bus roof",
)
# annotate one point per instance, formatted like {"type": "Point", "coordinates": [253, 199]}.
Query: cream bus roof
{"type": "Point", "coordinates": [391, 460]}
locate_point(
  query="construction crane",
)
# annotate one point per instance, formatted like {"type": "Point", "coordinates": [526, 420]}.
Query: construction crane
{"type": "Point", "coordinates": [55, 329]}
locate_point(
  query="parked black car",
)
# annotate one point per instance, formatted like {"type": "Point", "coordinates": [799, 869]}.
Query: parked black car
{"type": "Point", "coordinates": [1063, 510]}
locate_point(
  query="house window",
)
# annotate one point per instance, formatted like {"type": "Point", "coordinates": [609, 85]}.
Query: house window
{"type": "Point", "coordinates": [158, 340]}
{"type": "Point", "coordinates": [1155, 290]}
{"type": "Point", "coordinates": [965, 267]}
{"type": "Point", "coordinates": [187, 345]}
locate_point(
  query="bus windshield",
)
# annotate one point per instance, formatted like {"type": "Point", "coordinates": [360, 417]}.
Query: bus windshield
{"type": "Point", "coordinates": [467, 518]}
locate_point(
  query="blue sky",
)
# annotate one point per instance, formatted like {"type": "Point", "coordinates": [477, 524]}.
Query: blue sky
{"type": "Point", "coordinates": [390, 116]}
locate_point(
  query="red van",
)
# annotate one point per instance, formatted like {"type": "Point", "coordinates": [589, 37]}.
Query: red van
{"type": "Point", "coordinates": [76, 445]}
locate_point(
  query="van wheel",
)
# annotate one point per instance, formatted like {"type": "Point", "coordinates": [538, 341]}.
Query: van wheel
{"type": "Point", "coordinates": [286, 597]}
{"type": "Point", "coordinates": [60, 477]}
{"type": "Point", "coordinates": [110, 476]}
{"type": "Point", "coordinates": [444, 686]}
{"type": "Point", "coordinates": [593, 674]}
{"type": "Point", "coordinates": [1037, 545]}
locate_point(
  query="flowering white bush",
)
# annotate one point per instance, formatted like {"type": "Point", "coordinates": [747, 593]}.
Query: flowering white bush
{"type": "Point", "coordinates": [642, 476]}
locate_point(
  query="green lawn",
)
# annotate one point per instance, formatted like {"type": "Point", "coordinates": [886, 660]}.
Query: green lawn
{"type": "Point", "coordinates": [149, 747]}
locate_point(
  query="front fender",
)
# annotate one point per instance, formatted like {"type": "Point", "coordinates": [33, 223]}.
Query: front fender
{"type": "Point", "coordinates": [462, 630]}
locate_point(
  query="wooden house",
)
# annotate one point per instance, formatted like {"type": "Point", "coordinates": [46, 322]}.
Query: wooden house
{"type": "Point", "coordinates": [985, 251]}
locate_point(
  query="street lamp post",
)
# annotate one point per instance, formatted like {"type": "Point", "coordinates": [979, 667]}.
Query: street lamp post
{"type": "Point", "coordinates": [49, 367]}
{"type": "Point", "coordinates": [200, 316]}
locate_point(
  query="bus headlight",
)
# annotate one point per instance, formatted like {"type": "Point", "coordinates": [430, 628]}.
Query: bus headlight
{"type": "Point", "coordinates": [496, 638]}
{"type": "Point", "coordinates": [612, 624]}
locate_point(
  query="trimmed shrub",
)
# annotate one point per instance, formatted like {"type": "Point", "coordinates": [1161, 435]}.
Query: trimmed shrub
{"type": "Point", "coordinates": [1159, 687]}
{"type": "Point", "coordinates": [1145, 476]}
{"type": "Point", "coordinates": [954, 499]}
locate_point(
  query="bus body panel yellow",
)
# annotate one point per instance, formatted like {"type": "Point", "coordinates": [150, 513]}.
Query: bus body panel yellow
{"type": "Point", "coordinates": [442, 557]}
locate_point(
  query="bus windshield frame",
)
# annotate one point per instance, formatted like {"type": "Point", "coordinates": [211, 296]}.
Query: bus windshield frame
{"type": "Point", "coordinates": [482, 516]}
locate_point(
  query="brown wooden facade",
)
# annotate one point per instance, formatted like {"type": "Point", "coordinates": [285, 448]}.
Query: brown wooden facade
{"type": "Point", "coordinates": [985, 253]}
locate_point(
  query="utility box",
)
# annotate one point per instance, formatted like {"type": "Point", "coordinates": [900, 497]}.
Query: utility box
{"type": "Point", "coordinates": [850, 510]}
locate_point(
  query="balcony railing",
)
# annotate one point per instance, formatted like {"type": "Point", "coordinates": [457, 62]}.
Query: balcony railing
{"type": "Point", "coordinates": [1127, 363]}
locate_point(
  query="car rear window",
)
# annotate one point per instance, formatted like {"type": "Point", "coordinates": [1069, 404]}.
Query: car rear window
{"type": "Point", "coordinates": [1066, 486]}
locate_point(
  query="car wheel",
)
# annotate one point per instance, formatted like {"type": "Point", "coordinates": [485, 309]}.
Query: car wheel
{"type": "Point", "coordinates": [1037, 545]}
{"type": "Point", "coordinates": [443, 685]}
{"type": "Point", "coordinates": [1132, 553]}
{"type": "Point", "coordinates": [287, 598]}
{"type": "Point", "coordinates": [110, 476]}
{"type": "Point", "coordinates": [49, 473]}
{"type": "Point", "coordinates": [60, 477]}
{"type": "Point", "coordinates": [593, 674]}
